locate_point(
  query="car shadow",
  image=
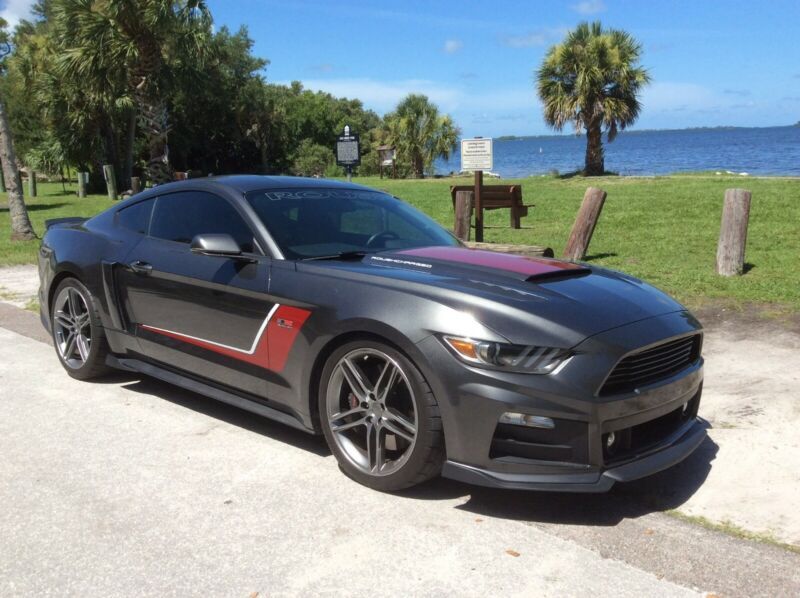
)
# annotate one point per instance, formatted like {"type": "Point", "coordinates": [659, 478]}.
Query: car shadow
{"type": "Point", "coordinates": [663, 491]}
{"type": "Point", "coordinates": [221, 411]}
{"type": "Point", "coordinates": [39, 207]}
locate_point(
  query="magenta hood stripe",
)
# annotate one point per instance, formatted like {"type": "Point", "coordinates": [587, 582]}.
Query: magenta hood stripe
{"type": "Point", "coordinates": [528, 266]}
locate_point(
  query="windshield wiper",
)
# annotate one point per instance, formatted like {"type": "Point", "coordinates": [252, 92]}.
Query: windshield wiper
{"type": "Point", "coordinates": [342, 255]}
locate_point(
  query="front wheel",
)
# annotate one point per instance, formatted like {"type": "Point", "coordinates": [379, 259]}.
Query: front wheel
{"type": "Point", "coordinates": [77, 334]}
{"type": "Point", "coordinates": [380, 417]}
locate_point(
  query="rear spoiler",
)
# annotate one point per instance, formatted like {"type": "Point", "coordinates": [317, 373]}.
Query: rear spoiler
{"type": "Point", "coordinates": [60, 222]}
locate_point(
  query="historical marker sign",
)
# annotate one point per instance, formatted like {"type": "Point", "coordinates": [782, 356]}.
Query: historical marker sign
{"type": "Point", "coordinates": [347, 149]}
{"type": "Point", "coordinates": [477, 154]}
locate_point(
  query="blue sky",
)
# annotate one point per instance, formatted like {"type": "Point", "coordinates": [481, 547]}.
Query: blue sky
{"type": "Point", "coordinates": [712, 62]}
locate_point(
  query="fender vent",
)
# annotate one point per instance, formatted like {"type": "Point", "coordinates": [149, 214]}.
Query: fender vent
{"type": "Point", "coordinates": [652, 365]}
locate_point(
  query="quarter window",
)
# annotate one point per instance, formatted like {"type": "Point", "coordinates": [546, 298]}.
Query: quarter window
{"type": "Point", "coordinates": [136, 217]}
{"type": "Point", "coordinates": [181, 216]}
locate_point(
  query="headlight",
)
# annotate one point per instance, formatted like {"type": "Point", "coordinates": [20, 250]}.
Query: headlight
{"type": "Point", "coordinates": [528, 359]}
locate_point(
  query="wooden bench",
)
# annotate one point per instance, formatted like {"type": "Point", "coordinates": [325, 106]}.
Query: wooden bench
{"type": "Point", "coordinates": [495, 197]}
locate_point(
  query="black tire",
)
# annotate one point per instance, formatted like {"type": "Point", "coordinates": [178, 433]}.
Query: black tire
{"type": "Point", "coordinates": [424, 457]}
{"type": "Point", "coordinates": [94, 364]}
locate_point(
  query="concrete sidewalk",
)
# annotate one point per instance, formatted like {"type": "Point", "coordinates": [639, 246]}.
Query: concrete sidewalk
{"type": "Point", "coordinates": [124, 488]}
{"type": "Point", "coordinates": [131, 486]}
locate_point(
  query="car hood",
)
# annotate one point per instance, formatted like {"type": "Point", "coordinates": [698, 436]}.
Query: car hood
{"type": "Point", "coordinates": [514, 295]}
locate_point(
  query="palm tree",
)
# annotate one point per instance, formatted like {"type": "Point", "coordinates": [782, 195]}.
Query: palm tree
{"type": "Point", "coordinates": [21, 228]}
{"type": "Point", "coordinates": [420, 134]}
{"type": "Point", "coordinates": [101, 38]}
{"type": "Point", "coordinates": [593, 80]}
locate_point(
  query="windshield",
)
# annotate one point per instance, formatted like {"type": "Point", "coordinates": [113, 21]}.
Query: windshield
{"type": "Point", "coordinates": [314, 223]}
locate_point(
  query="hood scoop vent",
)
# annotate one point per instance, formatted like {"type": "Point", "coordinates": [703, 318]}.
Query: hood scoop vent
{"type": "Point", "coordinates": [556, 275]}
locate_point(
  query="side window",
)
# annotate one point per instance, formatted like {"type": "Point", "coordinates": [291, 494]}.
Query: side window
{"type": "Point", "coordinates": [180, 216]}
{"type": "Point", "coordinates": [136, 217]}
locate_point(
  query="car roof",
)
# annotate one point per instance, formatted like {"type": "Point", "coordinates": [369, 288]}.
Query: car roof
{"type": "Point", "coordinates": [244, 183]}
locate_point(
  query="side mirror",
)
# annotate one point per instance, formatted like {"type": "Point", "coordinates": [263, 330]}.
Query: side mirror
{"type": "Point", "coordinates": [219, 245]}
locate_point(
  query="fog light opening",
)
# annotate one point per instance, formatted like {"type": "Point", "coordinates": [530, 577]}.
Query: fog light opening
{"type": "Point", "coordinates": [610, 440]}
{"type": "Point", "coordinates": [530, 421]}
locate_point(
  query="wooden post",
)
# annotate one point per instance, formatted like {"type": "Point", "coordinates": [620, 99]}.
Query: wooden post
{"type": "Point", "coordinates": [478, 206]}
{"type": "Point", "coordinates": [111, 181]}
{"type": "Point", "coordinates": [83, 178]}
{"type": "Point", "coordinates": [463, 210]}
{"type": "Point", "coordinates": [585, 221]}
{"type": "Point", "coordinates": [31, 183]}
{"type": "Point", "coordinates": [733, 232]}
{"type": "Point", "coordinates": [136, 185]}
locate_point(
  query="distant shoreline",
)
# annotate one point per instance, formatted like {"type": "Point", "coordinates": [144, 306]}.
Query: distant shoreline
{"type": "Point", "coordinates": [637, 131]}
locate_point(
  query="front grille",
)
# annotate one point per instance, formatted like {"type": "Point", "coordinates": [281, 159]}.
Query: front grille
{"type": "Point", "coordinates": [652, 365]}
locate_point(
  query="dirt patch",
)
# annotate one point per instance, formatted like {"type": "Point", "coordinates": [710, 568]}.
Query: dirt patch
{"type": "Point", "coordinates": [747, 318]}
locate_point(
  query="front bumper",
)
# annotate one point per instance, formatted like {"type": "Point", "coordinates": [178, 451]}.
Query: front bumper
{"type": "Point", "coordinates": [687, 439]}
{"type": "Point", "coordinates": [660, 417]}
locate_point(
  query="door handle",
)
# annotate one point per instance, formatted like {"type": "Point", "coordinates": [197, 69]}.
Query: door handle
{"type": "Point", "coordinates": [141, 267]}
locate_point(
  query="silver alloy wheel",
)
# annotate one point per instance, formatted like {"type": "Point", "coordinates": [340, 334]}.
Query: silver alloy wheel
{"type": "Point", "coordinates": [72, 327]}
{"type": "Point", "coordinates": [372, 411]}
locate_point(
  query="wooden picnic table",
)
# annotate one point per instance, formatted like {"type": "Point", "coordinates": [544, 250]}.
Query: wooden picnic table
{"type": "Point", "coordinates": [495, 197]}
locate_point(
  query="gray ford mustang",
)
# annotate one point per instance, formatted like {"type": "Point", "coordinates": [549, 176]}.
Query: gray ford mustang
{"type": "Point", "coordinates": [341, 310]}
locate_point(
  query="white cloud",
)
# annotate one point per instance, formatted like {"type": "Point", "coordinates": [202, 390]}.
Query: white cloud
{"type": "Point", "coordinates": [540, 37]}
{"type": "Point", "coordinates": [383, 96]}
{"type": "Point", "coordinates": [16, 10]}
{"type": "Point", "coordinates": [589, 7]}
{"type": "Point", "coordinates": [525, 41]}
{"type": "Point", "coordinates": [451, 46]}
{"type": "Point", "coordinates": [669, 96]}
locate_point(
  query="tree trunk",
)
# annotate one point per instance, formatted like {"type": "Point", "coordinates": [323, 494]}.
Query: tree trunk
{"type": "Point", "coordinates": [152, 110]}
{"type": "Point", "coordinates": [418, 165]}
{"type": "Point", "coordinates": [153, 116]}
{"type": "Point", "coordinates": [127, 165]}
{"type": "Point", "coordinates": [594, 164]}
{"type": "Point", "coordinates": [21, 228]}
{"type": "Point", "coordinates": [110, 144]}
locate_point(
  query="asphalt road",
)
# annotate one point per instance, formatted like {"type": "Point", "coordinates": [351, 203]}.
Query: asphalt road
{"type": "Point", "coordinates": [133, 487]}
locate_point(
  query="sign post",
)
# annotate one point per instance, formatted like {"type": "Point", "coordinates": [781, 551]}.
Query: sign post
{"type": "Point", "coordinates": [477, 155]}
{"type": "Point", "coordinates": [348, 152]}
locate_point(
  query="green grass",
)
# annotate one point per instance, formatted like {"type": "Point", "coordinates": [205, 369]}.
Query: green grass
{"type": "Point", "coordinates": [726, 527]}
{"type": "Point", "coordinates": [51, 202]}
{"type": "Point", "coordinates": [662, 229]}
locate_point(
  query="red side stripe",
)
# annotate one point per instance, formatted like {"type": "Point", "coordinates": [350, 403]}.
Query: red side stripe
{"type": "Point", "coordinates": [281, 333]}
{"type": "Point", "coordinates": [273, 347]}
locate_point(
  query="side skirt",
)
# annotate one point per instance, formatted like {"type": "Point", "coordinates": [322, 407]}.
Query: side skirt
{"type": "Point", "coordinates": [218, 394]}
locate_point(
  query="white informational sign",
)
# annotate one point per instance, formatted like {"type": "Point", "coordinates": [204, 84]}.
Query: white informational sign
{"type": "Point", "coordinates": [476, 154]}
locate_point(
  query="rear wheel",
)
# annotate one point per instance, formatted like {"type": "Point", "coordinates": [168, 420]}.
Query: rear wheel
{"type": "Point", "coordinates": [380, 417]}
{"type": "Point", "coordinates": [77, 335]}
